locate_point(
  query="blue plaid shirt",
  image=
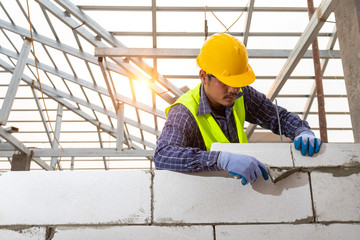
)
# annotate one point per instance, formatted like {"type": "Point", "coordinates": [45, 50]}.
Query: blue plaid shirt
{"type": "Point", "coordinates": [181, 147]}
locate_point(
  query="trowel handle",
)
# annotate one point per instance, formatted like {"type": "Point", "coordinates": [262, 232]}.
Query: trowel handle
{"type": "Point", "coordinates": [243, 179]}
{"type": "Point", "coordinates": [236, 175]}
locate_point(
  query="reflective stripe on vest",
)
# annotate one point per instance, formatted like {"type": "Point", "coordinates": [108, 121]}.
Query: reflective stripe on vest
{"type": "Point", "coordinates": [210, 130]}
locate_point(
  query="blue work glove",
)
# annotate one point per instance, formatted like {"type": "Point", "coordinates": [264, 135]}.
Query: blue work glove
{"type": "Point", "coordinates": [307, 142]}
{"type": "Point", "coordinates": [245, 167]}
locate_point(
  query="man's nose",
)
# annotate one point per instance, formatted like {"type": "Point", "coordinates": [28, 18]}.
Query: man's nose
{"type": "Point", "coordinates": [233, 90]}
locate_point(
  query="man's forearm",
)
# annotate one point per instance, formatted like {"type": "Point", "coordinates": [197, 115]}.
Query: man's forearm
{"type": "Point", "coordinates": [185, 159]}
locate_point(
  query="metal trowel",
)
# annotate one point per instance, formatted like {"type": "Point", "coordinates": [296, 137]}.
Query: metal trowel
{"type": "Point", "coordinates": [276, 174]}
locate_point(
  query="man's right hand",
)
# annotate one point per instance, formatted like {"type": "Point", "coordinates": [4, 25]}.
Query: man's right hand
{"type": "Point", "coordinates": [246, 167]}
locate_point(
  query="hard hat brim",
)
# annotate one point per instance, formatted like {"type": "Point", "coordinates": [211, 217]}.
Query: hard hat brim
{"type": "Point", "coordinates": [240, 80]}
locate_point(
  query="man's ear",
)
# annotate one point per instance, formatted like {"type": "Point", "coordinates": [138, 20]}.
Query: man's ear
{"type": "Point", "coordinates": [202, 76]}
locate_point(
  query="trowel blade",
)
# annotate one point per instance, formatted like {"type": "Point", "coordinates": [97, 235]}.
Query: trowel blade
{"type": "Point", "coordinates": [276, 174]}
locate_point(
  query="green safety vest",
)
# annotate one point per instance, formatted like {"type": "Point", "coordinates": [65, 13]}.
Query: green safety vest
{"type": "Point", "coordinates": [210, 130]}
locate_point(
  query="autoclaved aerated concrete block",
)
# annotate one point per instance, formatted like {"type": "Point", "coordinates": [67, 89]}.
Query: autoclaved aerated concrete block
{"type": "Point", "coordinates": [32, 233]}
{"type": "Point", "coordinates": [197, 198]}
{"type": "Point", "coordinates": [135, 233]}
{"type": "Point", "coordinates": [89, 197]}
{"type": "Point", "coordinates": [330, 155]}
{"type": "Point", "coordinates": [288, 231]}
{"type": "Point", "coordinates": [274, 154]}
{"type": "Point", "coordinates": [336, 199]}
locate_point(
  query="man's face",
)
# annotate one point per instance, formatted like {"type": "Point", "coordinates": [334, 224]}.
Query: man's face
{"type": "Point", "coordinates": [218, 94]}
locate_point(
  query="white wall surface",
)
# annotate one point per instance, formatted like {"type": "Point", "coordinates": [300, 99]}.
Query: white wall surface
{"type": "Point", "coordinates": [321, 201]}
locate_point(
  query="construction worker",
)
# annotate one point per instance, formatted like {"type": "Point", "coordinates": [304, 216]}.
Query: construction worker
{"type": "Point", "coordinates": [215, 111]}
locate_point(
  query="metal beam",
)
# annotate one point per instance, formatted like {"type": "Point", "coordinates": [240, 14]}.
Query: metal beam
{"type": "Point", "coordinates": [120, 126]}
{"type": "Point", "coordinates": [248, 21]}
{"type": "Point", "coordinates": [75, 109]}
{"type": "Point", "coordinates": [60, 46]}
{"type": "Point", "coordinates": [55, 142]}
{"type": "Point", "coordinates": [88, 118]}
{"type": "Point", "coordinates": [89, 22]}
{"type": "Point", "coordinates": [6, 147]}
{"type": "Point", "coordinates": [347, 14]}
{"type": "Point", "coordinates": [111, 90]}
{"type": "Point", "coordinates": [262, 77]}
{"type": "Point", "coordinates": [55, 92]}
{"type": "Point", "coordinates": [201, 34]}
{"type": "Point", "coordinates": [193, 53]}
{"type": "Point", "coordinates": [14, 83]}
{"type": "Point", "coordinates": [324, 62]}
{"type": "Point", "coordinates": [20, 147]}
{"type": "Point", "coordinates": [14, 141]}
{"type": "Point", "coordinates": [318, 81]}
{"type": "Point", "coordinates": [189, 9]}
{"type": "Point", "coordinates": [101, 145]}
{"type": "Point", "coordinates": [91, 152]}
{"type": "Point", "coordinates": [315, 24]}
{"type": "Point", "coordinates": [86, 84]}
{"type": "Point", "coordinates": [102, 33]}
{"type": "Point", "coordinates": [80, 152]}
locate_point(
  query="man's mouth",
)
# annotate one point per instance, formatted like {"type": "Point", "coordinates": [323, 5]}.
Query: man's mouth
{"type": "Point", "coordinates": [230, 97]}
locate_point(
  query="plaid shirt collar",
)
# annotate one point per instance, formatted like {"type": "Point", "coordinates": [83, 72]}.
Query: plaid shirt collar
{"type": "Point", "coordinates": [204, 106]}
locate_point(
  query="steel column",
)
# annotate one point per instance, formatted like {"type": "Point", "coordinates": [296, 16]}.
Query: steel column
{"type": "Point", "coordinates": [248, 21]}
{"type": "Point", "coordinates": [318, 81]}
{"type": "Point", "coordinates": [120, 126]}
{"type": "Point", "coordinates": [55, 142]}
{"type": "Point", "coordinates": [324, 63]}
{"type": "Point", "coordinates": [347, 14]}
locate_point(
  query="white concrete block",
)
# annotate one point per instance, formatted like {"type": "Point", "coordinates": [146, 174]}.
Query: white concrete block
{"type": "Point", "coordinates": [274, 154]}
{"type": "Point", "coordinates": [330, 154]}
{"type": "Point", "coordinates": [135, 233]}
{"type": "Point", "coordinates": [185, 198]}
{"type": "Point", "coordinates": [336, 198]}
{"type": "Point", "coordinates": [89, 197]}
{"type": "Point", "coordinates": [33, 233]}
{"type": "Point", "coordinates": [289, 231]}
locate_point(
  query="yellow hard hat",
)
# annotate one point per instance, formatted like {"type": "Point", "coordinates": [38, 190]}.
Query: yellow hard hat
{"type": "Point", "coordinates": [225, 57]}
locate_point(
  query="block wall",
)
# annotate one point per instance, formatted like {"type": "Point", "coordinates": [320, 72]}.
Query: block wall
{"type": "Point", "coordinates": [320, 200]}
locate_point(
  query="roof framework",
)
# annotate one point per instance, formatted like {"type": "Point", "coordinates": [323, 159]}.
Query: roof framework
{"type": "Point", "coordinates": [92, 94]}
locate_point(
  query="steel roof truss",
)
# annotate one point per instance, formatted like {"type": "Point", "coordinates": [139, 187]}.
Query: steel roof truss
{"type": "Point", "coordinates": [92, 39]}
{"type": "Point", "coordinates": [86, 84]}
{"type": "Point", "coordinates": [14, 83]}
{"type": "Point", "coordinates": [310, 32]}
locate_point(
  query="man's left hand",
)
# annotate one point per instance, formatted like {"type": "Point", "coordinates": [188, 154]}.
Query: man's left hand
{"type": "Point", "coordinates": [307, 142]}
